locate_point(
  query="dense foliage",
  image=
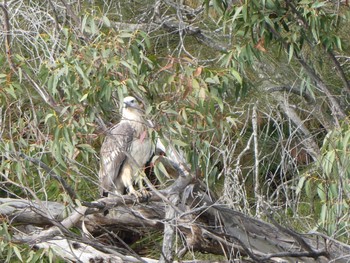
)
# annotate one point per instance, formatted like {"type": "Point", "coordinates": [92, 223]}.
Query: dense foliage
{"type": "Point", "coordinates": [262, 119]}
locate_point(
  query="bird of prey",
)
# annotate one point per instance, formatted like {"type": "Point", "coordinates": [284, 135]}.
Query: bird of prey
{"type": "Point", "coordinates": [125, 150]}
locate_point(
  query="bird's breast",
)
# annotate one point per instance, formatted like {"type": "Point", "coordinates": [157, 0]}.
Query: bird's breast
{"type": "Point", "coordinates": [141, 150]}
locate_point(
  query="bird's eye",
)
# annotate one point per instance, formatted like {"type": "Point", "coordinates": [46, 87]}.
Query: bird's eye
{"type": "Point", "coordinates": [133, 101]}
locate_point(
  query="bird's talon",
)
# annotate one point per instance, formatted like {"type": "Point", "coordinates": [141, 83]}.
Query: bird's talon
{"type": "Point", "coordinates": [141, 196]}
{"type": "Point", "coordinates": [146, 195]}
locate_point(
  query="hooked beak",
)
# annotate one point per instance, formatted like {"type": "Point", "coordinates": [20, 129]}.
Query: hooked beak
{"type": "Point", "coordinates": [130, 105]}
{"type": "Point", "coordinates": [127, 104]}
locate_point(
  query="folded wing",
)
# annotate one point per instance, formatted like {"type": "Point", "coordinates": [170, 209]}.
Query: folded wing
{"type": "Point", "coordinates": [114, 152]}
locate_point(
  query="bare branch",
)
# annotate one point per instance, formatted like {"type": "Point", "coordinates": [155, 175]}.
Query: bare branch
{"type": "Point", "coordinates": [294, 90]}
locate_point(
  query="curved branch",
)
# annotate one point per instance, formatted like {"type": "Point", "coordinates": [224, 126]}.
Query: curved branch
{"type": "Point", "coordinates": [294, 90]}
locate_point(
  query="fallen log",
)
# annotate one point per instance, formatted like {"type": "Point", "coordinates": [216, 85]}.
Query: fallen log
{"type": "Point", "coordinates": [200, 223]}
{"type": "Point", "coordinates": [236, 234]}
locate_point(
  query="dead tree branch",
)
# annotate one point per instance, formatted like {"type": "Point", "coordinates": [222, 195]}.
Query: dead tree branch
{"type": "Point", "coordinates": [206, 225]}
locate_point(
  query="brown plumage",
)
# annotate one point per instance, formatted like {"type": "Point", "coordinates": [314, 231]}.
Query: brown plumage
{"type": "Point", "coordinates": [125, 150]}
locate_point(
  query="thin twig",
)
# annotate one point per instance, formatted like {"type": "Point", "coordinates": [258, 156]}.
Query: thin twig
{"type": "Point", "coordinates": [257, 192]}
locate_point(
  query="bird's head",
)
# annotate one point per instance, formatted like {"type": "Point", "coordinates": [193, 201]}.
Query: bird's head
{"type": "Point", "coordinates": [131, 109]}
{"type": "Point", "coordinates": [131, 103]}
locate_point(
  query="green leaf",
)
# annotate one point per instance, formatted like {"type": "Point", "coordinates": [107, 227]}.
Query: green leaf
{"type": "Point", "coordinates": [93, 27]}
{"type": "Point", "coordinates": [69, 50]}
{"type": "Point", "coordinates": [170, 111]}
{"type": "Point", "coordinates": [300, 184]}
{"type": "Point", "coordinates": [64, 110]}
{"type": "Point", "coordinates": [10, 90]}
{"type": "Point", "coordinates": [52, 84]}
{"type": "Point", "coordinates": [106, 21]}
{"type": "Point", "coordinates": [48, 116]}
{"type": "Point", "coordinates": [67, 135]}
{"type": "Point", "coordinates": [18, 253]}
{"type": "Point", "coordinates": [51, 254]}
{"type": "Point", "coordinates": [86, 147]}
{"type": "Point", "coordinates": [178, 127]}
{"type": "Point", "coordinates": [237, 76]}
{"type": "Point", "coordinates": [220, 102]}
{"type": "Point", "coordinates": [82, 74]}
{"type": "Point", "coordinates": [9, 254]}
{"type": "Point", "coordinates": [338, 42]}
{"type": "Point", "coordinates": [245, 12]}
{"type": "Point", "coordinates": [290, 52]}
{"type": "Point", "coordinates": [237, 12]}
{"type": "Point", "coordinates": [323, 214]}
{"type": "Point", "coordinates": [213, 80]}
{"type": "Point", "coordinates": [80, 71]}
{"type": "Point", "coordinates": [84, 97]}
{"type": "Point", "coordinates": [19, 57]}
{"type": "Point", "coordinates": [334, 190]}
{"type": "Point", "coordinates": [179, 143]}
{"type": "Point", "coordinates": [308, 189]}
{"type": "Point", "coordinates": [202, 94]}
{"type": "Point", "coordinates": [161, 172]}
{"type": "Point", "coordinates": [128, 66]}
{"type": "Point", "coordinates": [318, 4]}
{"type": "Point", "coordinates": [321, 192]}
{"type": "Point", "coordinates": [184, 114]}
{"type": "Point", "coordinates": [126, 35]}
{"type": "Point", "coordinates": [20, 74]}
{"type": "Point", "coordinates": [195, 84]}
{"type": "Point", "coordinates": [345, 141]}
{"type": "Point", "coordinates": [328, 162]}
{"type": "Point", "coordinates": [57, 153]}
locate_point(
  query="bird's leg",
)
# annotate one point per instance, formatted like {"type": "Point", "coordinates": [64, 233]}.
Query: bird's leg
{"type": "Point", "coordinates": [141, 195]}
{"type": "Point", "coordinates": [144, 192]}
{"type": "Point", "coordinates": [127, 181]}
{"type": "Point", "coordinates": [128, 178]}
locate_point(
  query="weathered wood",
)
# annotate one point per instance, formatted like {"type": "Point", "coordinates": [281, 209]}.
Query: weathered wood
{"type": "Point", "coordinates": [238, 232]}
{"type": "Point", "coordinates": [205, 224]}
{"type": "Point", "coordinates": [32, 212]}
{"type": "Point", "coordinates": [167, 254]}
{"type": "Point", "coordinates": [73, 251]}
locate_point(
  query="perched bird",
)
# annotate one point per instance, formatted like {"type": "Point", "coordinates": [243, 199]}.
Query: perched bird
{"type": "Point", "coordinates": [125, 150]}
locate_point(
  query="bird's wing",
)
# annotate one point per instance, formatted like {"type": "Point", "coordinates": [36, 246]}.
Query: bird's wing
{"type": "Point", "coordinates": [113, 154]}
